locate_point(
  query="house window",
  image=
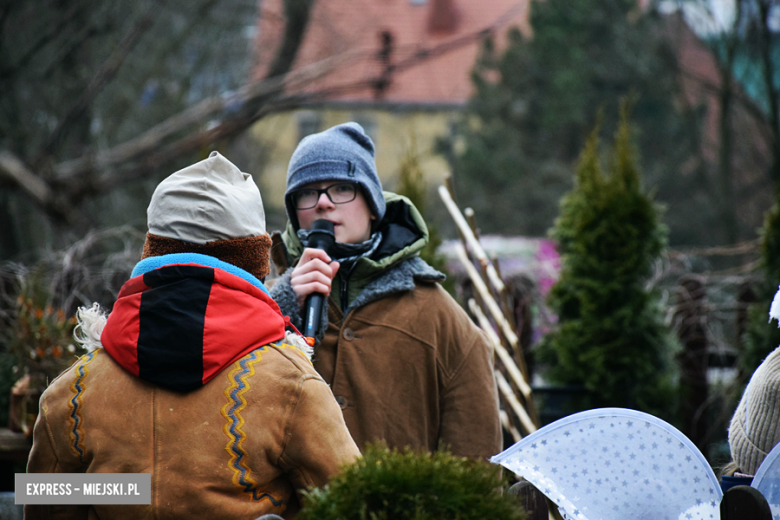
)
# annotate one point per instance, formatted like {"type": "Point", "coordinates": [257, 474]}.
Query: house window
{"type": "Point", "coordinates": [308, 123]}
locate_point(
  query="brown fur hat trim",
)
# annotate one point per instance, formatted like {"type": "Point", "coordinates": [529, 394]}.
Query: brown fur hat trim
{"type": "Point", "coordinates": [250, 254]}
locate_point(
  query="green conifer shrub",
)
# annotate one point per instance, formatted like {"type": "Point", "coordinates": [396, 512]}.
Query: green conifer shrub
{"type": "Point", "coordinates": [762, 337]}
{"type": "Point", "coordinates": [405, 485]}
{"type": "Point", "coordinates": [610, 338]}
{"type": "Point", "coordinates": [533, 106]}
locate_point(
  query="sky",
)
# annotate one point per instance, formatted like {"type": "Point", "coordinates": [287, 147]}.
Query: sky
{"type": "Point", "coordinates": [708, 17]}
{"type": "Point", "coordinates": [704, 16]}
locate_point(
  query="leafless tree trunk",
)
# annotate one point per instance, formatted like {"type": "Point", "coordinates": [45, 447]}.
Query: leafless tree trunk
{"type": "Point", "coordinates": [765, 51]}
{"type": "Point", "coordinates": [691, 318]}
{"type": "Point", "coordinates": [727, 201]}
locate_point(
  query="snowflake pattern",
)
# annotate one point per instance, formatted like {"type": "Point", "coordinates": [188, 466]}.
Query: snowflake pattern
{"type": "Point", "coordinates": [767, 481]}
{"type": "Point", "coordinates": [613, 464]}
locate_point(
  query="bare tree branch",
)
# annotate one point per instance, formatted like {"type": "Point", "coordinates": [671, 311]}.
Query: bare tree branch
{"type": "Point", "coordinates": [53, 30]}
{"type": "Point", "coordinates": [207, 108]}
{"type": "Point", "coordinates": [17, 171]}
{"type": "Point", "coordinates": [157, 65]}
{"type": "Point", "coordinates": [234, 113]}
{"type": "Point", "coordinates": [104, 74]}
{"type": "Point", "coordinates": [725, 200]}
{"type": "Point", "coordinates": [740, 97]}
{"type": "Point", "coordinates": [187, 144]}
{"type": "Point", "coordinates": [767, 67]}
{"type": "Point", "coordinates": [248, 94]}
{"type": "Point", "coordinates": [35, 186]}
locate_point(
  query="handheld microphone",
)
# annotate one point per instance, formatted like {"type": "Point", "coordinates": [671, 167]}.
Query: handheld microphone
{"type": "Point", "coordinates": [320, 237]}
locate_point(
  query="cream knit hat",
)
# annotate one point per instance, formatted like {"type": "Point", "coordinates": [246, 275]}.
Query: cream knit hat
{"type": "Point", "coordinates": [211, 208]}
{"type": "Point", "coordinates": [755, 426]}
{"type": "Point", "coordinates": [206, 201]}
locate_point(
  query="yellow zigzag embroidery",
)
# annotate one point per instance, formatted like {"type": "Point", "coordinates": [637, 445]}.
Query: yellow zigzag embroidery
{"type": "Point", "coordinates": [76, 402]}
{"type": "Point", "coordinates": [281, 345]}
{"type": "Point", "coordinates": [242, 370]}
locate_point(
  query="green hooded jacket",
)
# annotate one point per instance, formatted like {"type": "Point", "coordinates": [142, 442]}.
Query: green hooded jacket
{"type": "Point", "coordinates": [405, 234]}
{"type": "Point", "coordinates": [403, 359]}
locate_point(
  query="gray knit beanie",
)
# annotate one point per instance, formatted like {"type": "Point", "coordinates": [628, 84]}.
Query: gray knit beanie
{"type": "Point", "coordinates": [755, 426]}
{"type": "Point", "coordinates": [341, 153]}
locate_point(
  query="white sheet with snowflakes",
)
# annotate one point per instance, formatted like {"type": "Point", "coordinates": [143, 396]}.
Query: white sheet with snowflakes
{"type": "Point", "coordinates": [767, 481]}
{"type": "Point", "coordinates": [614, 464]}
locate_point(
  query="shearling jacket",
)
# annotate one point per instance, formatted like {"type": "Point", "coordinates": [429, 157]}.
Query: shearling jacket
{"type": "Point", "coordinates": [403, 359]}
{"type": "Point", "coordinates": [229, 419]}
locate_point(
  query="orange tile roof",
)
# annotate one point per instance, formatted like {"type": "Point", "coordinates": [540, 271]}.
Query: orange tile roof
{"type": "Point", "coordinates": [339, 26]}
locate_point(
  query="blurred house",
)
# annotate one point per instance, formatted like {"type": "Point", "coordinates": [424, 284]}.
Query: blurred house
{"type": "Point", "coordinates": [407, 79]}
{"type": "Point", "coordinates": [701, 86]}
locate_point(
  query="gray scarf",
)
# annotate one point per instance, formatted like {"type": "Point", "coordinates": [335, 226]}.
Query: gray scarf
{"type": "Point", "coordinates": [347, 252]}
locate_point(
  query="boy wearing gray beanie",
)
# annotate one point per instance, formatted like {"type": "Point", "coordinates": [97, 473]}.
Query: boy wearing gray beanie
{"type": "Point", "coordinates": [405, 362]}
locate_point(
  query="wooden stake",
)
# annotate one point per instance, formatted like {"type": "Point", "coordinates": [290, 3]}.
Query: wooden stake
{"type": "Point", "coordinates": [484, 293]}
{"type": "Point", "coordinates": [503, 355]}
{"type": "Point", "coordinates": [506, 390]}
{"type": "Point", "coordinates": [471, 241]}
{"type": "Point", "coordinates": [508, 426]}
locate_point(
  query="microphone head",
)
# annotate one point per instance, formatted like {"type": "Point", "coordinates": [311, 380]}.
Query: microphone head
{"type": "Point", "coordinates": [321, 235]}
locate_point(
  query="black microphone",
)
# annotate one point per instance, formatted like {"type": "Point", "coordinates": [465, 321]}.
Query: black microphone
{"type": "Point", "coordinates": [320, 237]}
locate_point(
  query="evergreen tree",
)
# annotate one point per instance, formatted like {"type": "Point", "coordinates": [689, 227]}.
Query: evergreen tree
{"type": "Point", "coordinates": [610, 337]}
{"type": "Point", "coordinates": [534, 104]}
{"type": "Point", "coordinates": [761, 336]}
{"type": "Point", "coordinates": [406, 485]}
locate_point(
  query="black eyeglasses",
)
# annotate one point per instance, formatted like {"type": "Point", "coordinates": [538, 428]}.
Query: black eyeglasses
{"type": "Point", "coordinates": [340, 193]}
